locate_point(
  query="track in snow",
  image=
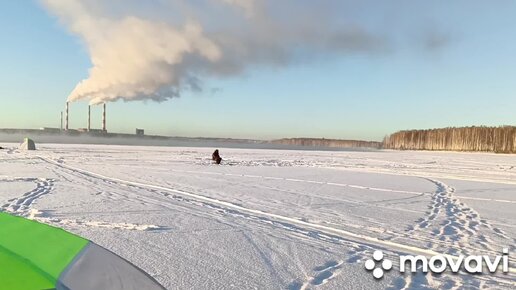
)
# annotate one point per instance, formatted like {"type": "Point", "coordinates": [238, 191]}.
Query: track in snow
{"type": "Point", "coordinates": [21, 206]}
{"type": "Point", "coordinates": [314, 230]}
{"type": "Point", "coordinates": [461, 221]}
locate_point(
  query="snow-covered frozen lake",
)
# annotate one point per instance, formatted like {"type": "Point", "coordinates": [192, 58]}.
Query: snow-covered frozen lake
{"type": "Point", "coordinates": [272, 219]}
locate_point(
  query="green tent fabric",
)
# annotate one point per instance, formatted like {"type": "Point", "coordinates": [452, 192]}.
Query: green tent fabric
{"type": "Point", "coordinates": [38, 256]}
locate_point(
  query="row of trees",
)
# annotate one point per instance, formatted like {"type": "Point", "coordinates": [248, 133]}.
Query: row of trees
{"type": "Point", "coordinates": [334, 143]}
{"type": "Point", "coordinates": [488, 139]}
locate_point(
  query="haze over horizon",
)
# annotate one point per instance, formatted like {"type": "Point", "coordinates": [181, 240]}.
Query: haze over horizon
{"type": "Point", "coordinates": [259, 69]}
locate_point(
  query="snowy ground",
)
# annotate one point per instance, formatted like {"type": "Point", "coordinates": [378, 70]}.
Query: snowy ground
{"type": "Point", "coordinates": [270, 219]}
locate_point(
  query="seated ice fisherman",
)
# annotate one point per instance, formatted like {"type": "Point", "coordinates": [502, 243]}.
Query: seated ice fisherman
{"type": "Point", "coordinates": [216, 157]}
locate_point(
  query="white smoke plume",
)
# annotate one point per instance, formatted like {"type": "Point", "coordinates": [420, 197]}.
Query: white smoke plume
{"type": "Point", "coordinates": [156, 49]}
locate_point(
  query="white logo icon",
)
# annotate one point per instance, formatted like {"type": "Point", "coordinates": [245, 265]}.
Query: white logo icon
{"type": "Point", "coordinates": [472, 264]}
{"type": "Point", "coordinates": [370, 264]}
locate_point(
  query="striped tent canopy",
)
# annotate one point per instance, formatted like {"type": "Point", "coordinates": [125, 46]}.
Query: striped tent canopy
{"type": "Point", "coordinates": [38, 256]}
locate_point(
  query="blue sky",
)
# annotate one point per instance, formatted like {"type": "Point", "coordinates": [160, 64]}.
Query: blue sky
{"type": "Point", "coordinates": [467, 77]}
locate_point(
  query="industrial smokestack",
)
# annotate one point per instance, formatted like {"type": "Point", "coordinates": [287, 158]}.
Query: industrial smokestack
{"type": "Point", "coordinates": [61, 126]}
{"type": "Point", "coordinates": [89, 118]}
{"type": "Point", "coordinates": [66, 115]}
{"type": "Point", "coordinates": [104, 118]}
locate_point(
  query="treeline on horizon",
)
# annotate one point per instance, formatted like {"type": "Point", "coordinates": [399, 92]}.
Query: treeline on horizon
{"type": "Point", "coordinates": [486, 139]}
{"type": "Point", "coordinates": [333, 143]}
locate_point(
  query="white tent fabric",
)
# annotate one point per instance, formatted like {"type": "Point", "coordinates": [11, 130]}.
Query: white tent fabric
{"type": "Point", "coordinates": [28, 144]}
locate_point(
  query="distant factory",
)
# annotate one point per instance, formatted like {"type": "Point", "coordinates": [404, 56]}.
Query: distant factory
{"type": "Point", "coordinates": [65, 125]}
{"type": "Point", "coordinates": [88, 128]}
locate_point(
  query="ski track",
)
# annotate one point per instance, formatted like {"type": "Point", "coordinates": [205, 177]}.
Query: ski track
{"type": "Point", "coordinates": [323, 275]}
{"type": "Point", "coordinates": [301, 181]}
{"type": "Point", "coordinates": [446, 217]}
{"type": "Point", "coordinates": [463, 223]}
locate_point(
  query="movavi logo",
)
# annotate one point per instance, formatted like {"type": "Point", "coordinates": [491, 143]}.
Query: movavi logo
{"type": "Point", "coordinates": [438, 264]}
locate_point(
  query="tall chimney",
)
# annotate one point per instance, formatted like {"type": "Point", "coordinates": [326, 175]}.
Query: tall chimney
{"type": "Point", "coordinates": [89, 118]}
{"type": "Point", "coordinates": [104, 118]}
{"type": "Point", "coordinates": [66, 115]}
{"type": "Point", "coordinates": [61, 127]}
